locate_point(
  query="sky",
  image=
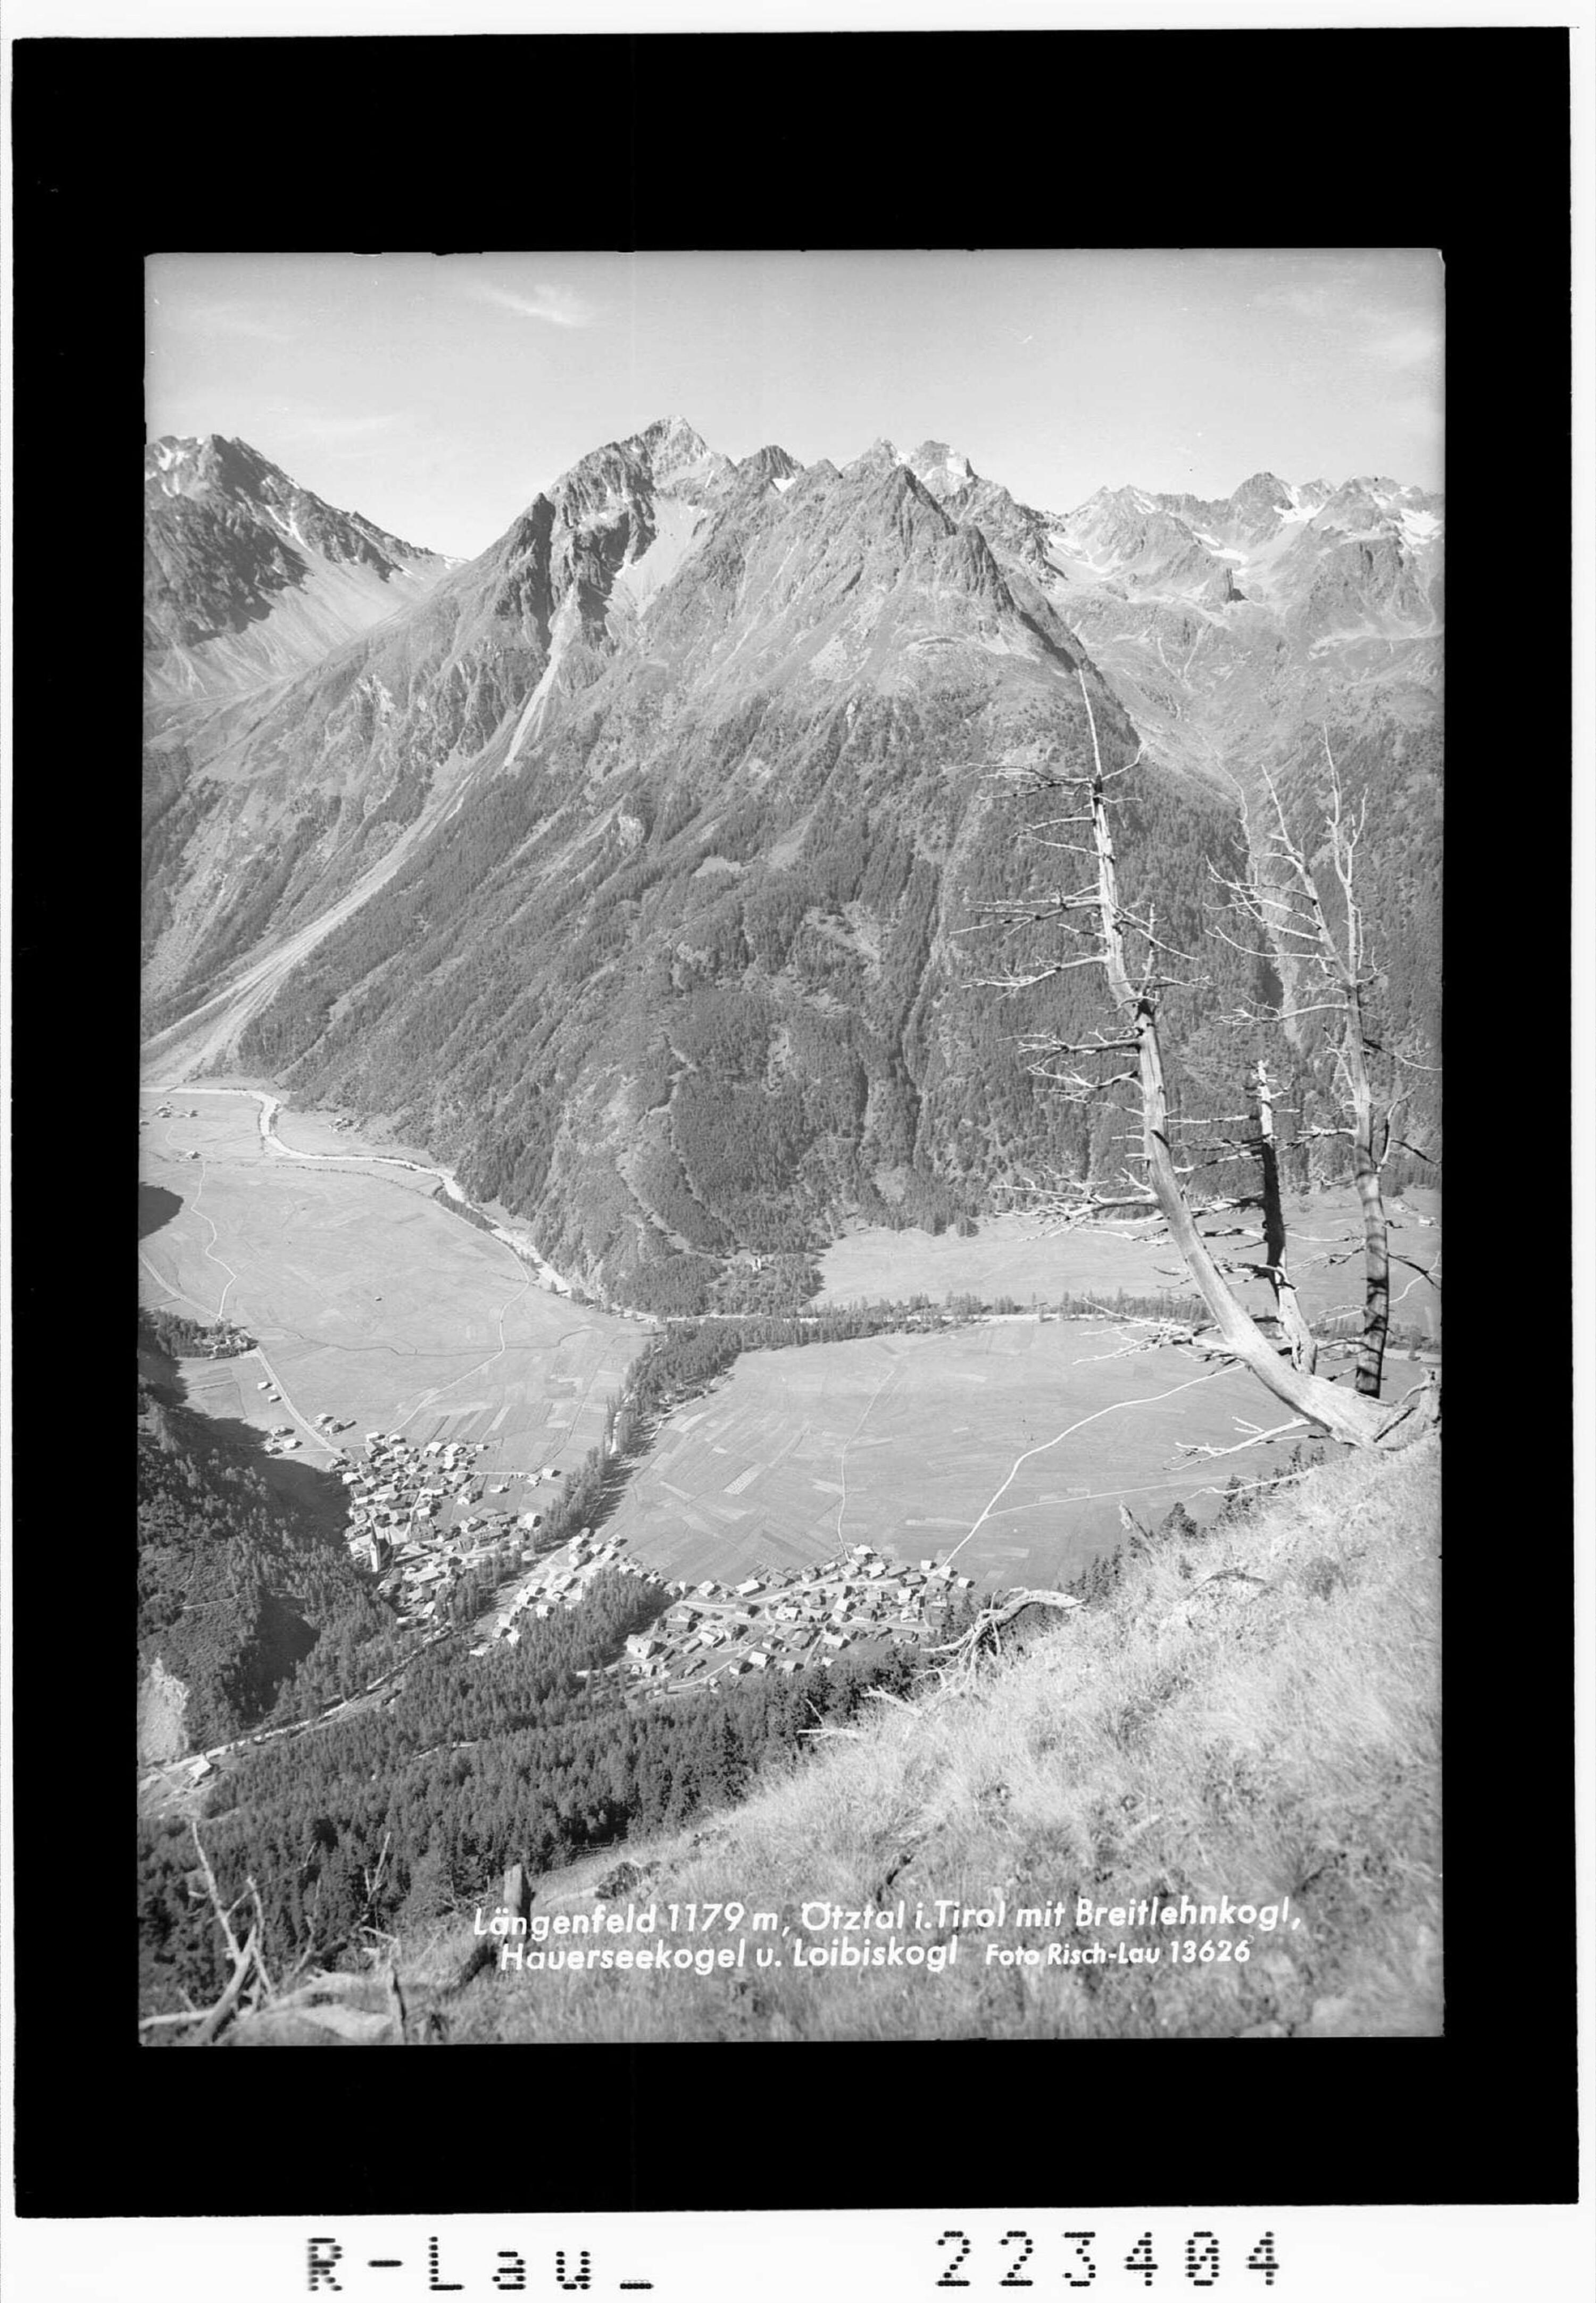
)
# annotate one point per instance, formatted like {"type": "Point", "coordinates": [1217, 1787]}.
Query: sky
{"type": "Point", "coordinates": [439, 394]}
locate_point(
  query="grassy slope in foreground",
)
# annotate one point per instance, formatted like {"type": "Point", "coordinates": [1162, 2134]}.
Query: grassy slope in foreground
{"type": "Point", "coordinates": [1185, 1736]}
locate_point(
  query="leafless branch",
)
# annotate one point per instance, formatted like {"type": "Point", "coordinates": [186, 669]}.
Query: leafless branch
{"type": "Point", "coordinates": [1256, 1439]}
{"type": "Point", "coordinates": [213, 1892]}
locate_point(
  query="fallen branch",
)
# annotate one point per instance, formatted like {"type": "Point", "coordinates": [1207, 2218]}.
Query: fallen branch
{"type": "Point", "coordinates": [1258, 1439]}
{"type": "Point", "coordinates": [990, 1622]}
{"type": "Point", "coordinates": [249, 1958]}
{"type": "Point", "coordinates": [215, 1893]}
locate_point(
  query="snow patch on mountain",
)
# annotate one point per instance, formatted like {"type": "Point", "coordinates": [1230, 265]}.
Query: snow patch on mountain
{"type": "Point", "coordinates": [289, 527]}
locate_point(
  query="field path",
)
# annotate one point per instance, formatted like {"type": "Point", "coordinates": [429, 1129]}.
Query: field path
{"type": "Point", "coordinates": [161, 1281]}
{"type": "Point", "coordinates": [341, 1707]}
{"type": "Point", "coordinates": [427, 1398]}
{"type": "Point", "coordinates": [1042, 1446]}
{"type": "Point", "coordinates": [303, 1420]}
{"type": "Point", "coordinates": [894, 1367]}
{"type": "Point", "coordinates": [271, 1105]}
{"type": "Point", "coordinates": [255, 1352]}
{"type": "Point", "coordinates": [210, 1253]}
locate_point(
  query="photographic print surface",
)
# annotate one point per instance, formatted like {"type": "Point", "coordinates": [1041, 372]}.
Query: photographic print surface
{"type": "Point", "coordinates": [789, 1353]}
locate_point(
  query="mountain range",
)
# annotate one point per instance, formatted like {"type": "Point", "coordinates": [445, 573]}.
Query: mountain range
{"type": "Point", "coordinates": [636, 864]}
{"type": "Point", "coordinates": [249, 577]}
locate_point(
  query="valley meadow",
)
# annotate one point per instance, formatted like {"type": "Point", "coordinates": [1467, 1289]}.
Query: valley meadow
{"type": "Point", "coordinates": [1018, 1256]}
{"type": "Point", "coordinates": [903, 1441]}
{"type": "Point", "coordinates": [368, 1298]}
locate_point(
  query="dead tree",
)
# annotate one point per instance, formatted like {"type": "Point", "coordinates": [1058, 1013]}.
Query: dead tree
{"type": "Point", "coordinates": [1131, 1056]}
{"type": "Point", "coordinates": [1325, 970]}
{"type": "Point", "coordinates": [1293, 1326]}
{"type": "Point", "coordinates": [1260, 1144]}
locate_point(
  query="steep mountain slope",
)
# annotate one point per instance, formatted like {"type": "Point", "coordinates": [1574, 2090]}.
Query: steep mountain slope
{"type": "Point", "coordinates": [249, 577]}
{"type": "Point", "coordinates": [237, 1583]}
{"type": "Point", "coordinates": [1118, 1761]}
{"type": "Point", "coordinates": [1227, 626]}
{"type": "Point", "coordinates": [321, 789]}
{"type": "Point", "coordinates": [1114, 1757]}
{"type": "Point", "coordinates": [1253, 638]}
{"type": "Point", "coordinates": [637, 868]}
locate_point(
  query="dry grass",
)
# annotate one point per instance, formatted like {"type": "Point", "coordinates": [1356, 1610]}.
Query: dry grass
{"type": "Point", "coordinates": [1255, 1714]}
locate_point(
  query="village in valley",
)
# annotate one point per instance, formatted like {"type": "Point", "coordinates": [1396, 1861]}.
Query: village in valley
{"type": "Point", "coordinates": [420, 1517]}
{"type": "Point", "coordinates": [472, 1521]}
{"type": "Point", "coordinates": [415, 1518]}
{"type": "Point", "coordinates": [793, 1620]}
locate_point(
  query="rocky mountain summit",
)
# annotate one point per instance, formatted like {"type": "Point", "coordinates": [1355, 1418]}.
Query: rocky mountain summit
{"type": "Point", "coordinates": [1225, 625]}
{"type": "Point", "coordinates": [635, 865]}
{"type": "Point", "coordinates": [248, 576]}
{"type": "Point", "coordinates": [1229, 626]}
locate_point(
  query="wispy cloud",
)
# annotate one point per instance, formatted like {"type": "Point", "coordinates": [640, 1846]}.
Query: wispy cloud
{"type": "Point", "coordinates": [232, 318]}
{"type": "Point", "coordinates": [561, 308]}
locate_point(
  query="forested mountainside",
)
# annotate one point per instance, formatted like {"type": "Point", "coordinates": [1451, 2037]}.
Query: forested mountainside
{"type": "Point", "coordinates": [401, 1812]}
{"type": "Point", "coordinates": [1028, 1777]}
{"type": "Point", "coordinates": [244, 1595]}
{"type": "Point", "coordinates": [639, 870]}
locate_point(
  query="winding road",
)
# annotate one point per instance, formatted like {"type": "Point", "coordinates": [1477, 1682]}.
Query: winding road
{"type": "Point", "coordinates": [174, 1777]}
{"type": "Point", "coordinates": [270, 1105]}
{"type": "Point", "coordinates": [343, 1707]}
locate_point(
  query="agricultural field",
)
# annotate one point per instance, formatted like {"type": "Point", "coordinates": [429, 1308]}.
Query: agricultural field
{"type": "Point", "coordinates": [905, 1442]}
{"type": "Point", "coordinates": [1014, 1255]}
{"type": "Point", "coordinates": [368, 1299]}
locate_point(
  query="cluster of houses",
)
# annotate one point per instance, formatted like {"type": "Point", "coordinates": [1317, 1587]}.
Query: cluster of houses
{"type": "Point", "coordinates": [419, 1515]}
{"type": "Point", "coordinates": [281, 1438]}
{"type": "Point", "coordinates": [793, 1620]}
{"type": "Point", "coordinates": [559, 1580]}
{"type": "Point", "coordinates": [784, 1623]}
{"type": "Point", "coordinates": [169, 1111]}
{"type": "Point", "coordinates": [224, 1341]}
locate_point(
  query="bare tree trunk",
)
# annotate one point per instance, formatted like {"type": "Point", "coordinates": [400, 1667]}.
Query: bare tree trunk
{"type": "Point", "coordinates": [517, 1900]}
{"type": "Point", "coordinates": [1345, 1415]}
{"type": "Point", "coordinates": [1365, 1168]}
{"type": "Point", "coordinates": [1334, 960]}
{"type": "Point", "coordinates": [1305, 1351]}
